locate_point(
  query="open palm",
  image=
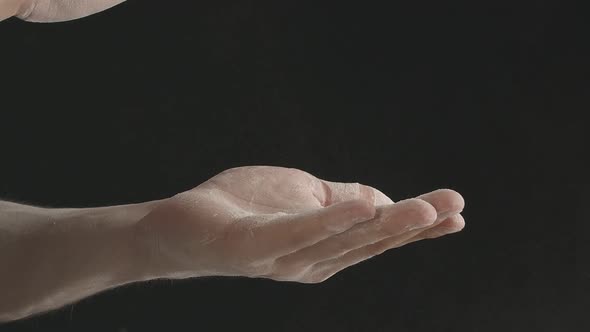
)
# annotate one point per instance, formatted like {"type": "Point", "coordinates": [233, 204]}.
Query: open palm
{"type": "Point", "coordinates": [286, 224]}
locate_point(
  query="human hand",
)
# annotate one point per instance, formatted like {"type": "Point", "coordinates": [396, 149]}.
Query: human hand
{"type": "Point", "coordinates": [54, 10]}
{"type": "Point", "coordinates": [285, 224]}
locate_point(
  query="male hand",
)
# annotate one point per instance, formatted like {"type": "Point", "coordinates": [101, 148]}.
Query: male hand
{"type": "Point", "coordinates": [53, 10]}
{"type": "Point", "coordinates": [285, 224]}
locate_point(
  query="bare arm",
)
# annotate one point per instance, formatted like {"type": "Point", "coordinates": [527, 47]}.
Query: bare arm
{"type": "Point", "coordinates": [257, 221]}
{"type": "Point", "coordinates": [51, 257]}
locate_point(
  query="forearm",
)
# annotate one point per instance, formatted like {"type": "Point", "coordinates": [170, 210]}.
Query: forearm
{"type": "Point", "coordinates": [52, 257]}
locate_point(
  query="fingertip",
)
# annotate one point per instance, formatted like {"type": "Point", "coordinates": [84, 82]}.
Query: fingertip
{"type": "Point", "coordinates": [456, 199]}
{"type": "Point", "coordinates": [445, 200]}
{"type": "Point", "coordinates": [451, 225]}
{"type": "Point", "coordinates": [458, 223]}
{"type": "Point", "coordinates": [422, 210]}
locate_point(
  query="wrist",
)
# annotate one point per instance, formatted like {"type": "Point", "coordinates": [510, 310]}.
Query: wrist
{"type": "Point", "coordinates": [169, 239]}
{"type": "Point", "coordinates": [113, 238]}
{"type": "Point", "coordinates": [87, 250]}
{"type": "Point", "coordinates": [67, 254]}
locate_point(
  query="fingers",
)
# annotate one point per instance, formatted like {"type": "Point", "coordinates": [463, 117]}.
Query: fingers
{"type": "Point", "coordinates": [451, 225]}
{"type": "Point", "coordinates": [314, 245]}
{"type": "Point", "coordinates": [290, 233]}
{"type": "Point", "coordinates": [391, 220]}
{"type": "Point", "coordinates": [446, 201]}
{"type": "Point", "coordinates": [324, 270]}
{"type": "Point", "coordinates": [335, 192]}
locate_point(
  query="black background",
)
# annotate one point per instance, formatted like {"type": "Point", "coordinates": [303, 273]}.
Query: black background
{"type": "Point", "coordinates": [151, 98]}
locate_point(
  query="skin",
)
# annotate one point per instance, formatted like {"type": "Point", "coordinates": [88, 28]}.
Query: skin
{"type": "Point", "coordinates": [53, 10]}
{"type": "Point", "coordinates": [267, 222]}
